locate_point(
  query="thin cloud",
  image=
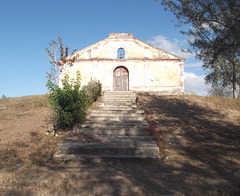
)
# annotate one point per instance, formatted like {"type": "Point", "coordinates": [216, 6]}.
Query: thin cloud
{"type": "Point", "coordinates": [170, 46]}
{"type": "Point", "coordinates": [197, 64]}
{"type": "Point", "coordinates": [194, 83]}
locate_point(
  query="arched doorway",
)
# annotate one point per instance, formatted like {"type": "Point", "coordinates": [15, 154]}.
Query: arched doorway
{"type": "Point", "coordinates": [120, 79]}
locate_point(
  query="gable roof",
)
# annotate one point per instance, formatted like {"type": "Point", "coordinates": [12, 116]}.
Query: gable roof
{"type": "Point", "coordinates": [120, 40]}
{"type": "Point", "coordinates": [150, 45]}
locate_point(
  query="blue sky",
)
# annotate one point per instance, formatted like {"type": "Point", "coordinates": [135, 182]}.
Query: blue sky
{"type": "Point", "coordinates": [27, 26]}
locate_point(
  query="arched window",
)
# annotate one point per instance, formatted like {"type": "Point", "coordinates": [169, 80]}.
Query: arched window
{"type": "Point", "coordinates": [121, 53]}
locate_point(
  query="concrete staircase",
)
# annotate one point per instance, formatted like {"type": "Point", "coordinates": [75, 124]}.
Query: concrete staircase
{"type": "Point", "coordinates": [119, 126]}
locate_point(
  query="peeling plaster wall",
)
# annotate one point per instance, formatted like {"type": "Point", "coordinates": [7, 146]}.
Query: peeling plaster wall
{"type": "Point", "coordinates": [143, 75]}
{"type": "Point", "coordinates": [150, 69]}
{"type": "Point", "coordinates": [134, 49]}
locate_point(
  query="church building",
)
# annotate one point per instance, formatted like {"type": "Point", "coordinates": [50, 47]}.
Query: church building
{"type": "Point", "coordinates": [122, 62]}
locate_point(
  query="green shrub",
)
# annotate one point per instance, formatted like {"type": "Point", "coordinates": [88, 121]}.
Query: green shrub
{"type": "Point", "coordinates": [94, 90]}
{"type": "Point", "coordinates": [71, 102]}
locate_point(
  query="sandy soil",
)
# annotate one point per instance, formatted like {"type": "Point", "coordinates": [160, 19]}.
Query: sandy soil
{"type": "Point", "coordinates": [199, 140]}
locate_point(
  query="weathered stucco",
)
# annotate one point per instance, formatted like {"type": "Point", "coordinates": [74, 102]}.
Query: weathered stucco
{"type": "Point", "coordinates": [150, 68]}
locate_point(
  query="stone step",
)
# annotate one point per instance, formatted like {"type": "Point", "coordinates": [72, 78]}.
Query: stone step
{"type": "Point", "coordinates": [114, 99]}
{"type": "Point", "coordinates": [76, 157]}
{"type": "Point", "coordinates": [117, 100]}
{"type": "Point", "coordinates": [117, 103]}
{"type": "Point", "coordinates": [114, 112]}
{"type": "Point", "coordinates": [119, 97]}
{"type": "Point", "coordinates": [113, 104]}
{"type": "Point", "coordinates": [115, 118]}
{"type": "Point", "coordinates": [118, 93]}
{"type": "Point", "coordinates": [119, 127]}
{"type": "Point", "coordinates": [109, 108]}
{"type": "Point", "coordinates": [112, 146]}
{"type": "Point", "coordinates": [112, 131]}
{"type": "Point", "coordinates": [106, 94]}
{"type": "Point", "coordinates": [114, 124]}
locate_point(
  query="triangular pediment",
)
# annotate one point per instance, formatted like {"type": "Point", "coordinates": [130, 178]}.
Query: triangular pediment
{"type": "Point", "coordinates": [134, 49]}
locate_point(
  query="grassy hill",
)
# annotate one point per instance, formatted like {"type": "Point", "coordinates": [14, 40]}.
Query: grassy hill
{"type": "Point", "coordinates": [199, 140]}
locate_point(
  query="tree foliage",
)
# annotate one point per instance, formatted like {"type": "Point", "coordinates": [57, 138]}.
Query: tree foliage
{"type": "Point", "coordinates": [221, 73]}
{"type": "Point", "coordinates": [219, 90]}
{"type": "Point", "coordinates": [4, 97]}
{"type": "Point", "coordinates": [213, 32]}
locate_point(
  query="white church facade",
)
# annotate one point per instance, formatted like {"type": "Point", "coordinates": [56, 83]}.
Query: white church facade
{"type": "Point", "coordinates": [122, 62]}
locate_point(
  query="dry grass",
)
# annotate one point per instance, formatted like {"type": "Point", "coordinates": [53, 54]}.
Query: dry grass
{"type": "Point", "coordinates": [199, 140]}
{"type": "Point", "coordinates": [202, 136]}
{"type": "Point", "coordinates": [23, 132]}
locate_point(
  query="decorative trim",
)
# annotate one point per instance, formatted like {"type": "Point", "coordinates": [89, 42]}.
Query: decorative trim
{"type": "Point", "coordinates": [126, 60]}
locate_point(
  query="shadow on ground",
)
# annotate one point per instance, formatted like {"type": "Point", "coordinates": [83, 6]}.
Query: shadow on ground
{"type": "Point", "coordinates": [200, 150]}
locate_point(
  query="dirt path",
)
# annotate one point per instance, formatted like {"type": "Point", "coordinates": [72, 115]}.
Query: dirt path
{"type": "Point", "coordinates": [199, 140]}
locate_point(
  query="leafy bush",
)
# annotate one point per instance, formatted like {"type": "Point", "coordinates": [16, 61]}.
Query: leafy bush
{"type": "Point", "coordinates": [94, 90]}
{"type": "Point", "coordinates": [70, 102]}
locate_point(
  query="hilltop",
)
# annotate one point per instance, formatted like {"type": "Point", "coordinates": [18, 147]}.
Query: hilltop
{"type": "Point", "coordinates": [199, 140]}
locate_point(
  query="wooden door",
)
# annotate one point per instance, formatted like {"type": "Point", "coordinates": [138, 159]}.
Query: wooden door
{"type": "Point", "coordinates": [120, 79]}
